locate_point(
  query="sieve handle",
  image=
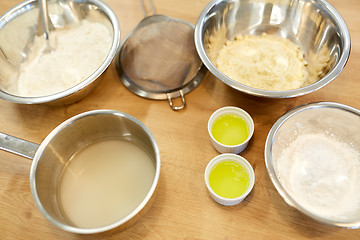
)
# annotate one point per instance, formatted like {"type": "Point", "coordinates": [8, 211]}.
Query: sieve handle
{"type": "Point", "coordinates": [144, 8]}
{"type": "Point", "coordinates": [182, 99]}
{"type": "Point", "coordinates": [18, 146]}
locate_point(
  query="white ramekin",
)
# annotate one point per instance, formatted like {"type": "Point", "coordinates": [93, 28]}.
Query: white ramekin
{"type": "Point", "coordinates": [238, 159]}
{"type": "Point", "coordinates": [222, 148]}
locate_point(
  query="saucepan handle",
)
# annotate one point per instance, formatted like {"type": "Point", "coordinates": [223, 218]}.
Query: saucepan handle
{"type": "Point", "coordinates": [18, 146]}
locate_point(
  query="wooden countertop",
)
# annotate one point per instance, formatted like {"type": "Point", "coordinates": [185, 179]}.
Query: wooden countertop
{"type": "Point", "coordinates": [183, 209]}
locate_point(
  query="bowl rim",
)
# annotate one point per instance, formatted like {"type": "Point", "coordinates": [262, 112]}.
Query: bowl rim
{"type": "Point", "coordinates": [331, 75]}
{"type": "Point", "coordinates": [29, 5]}
{"type": "Point", "coordinates": [271, 171]}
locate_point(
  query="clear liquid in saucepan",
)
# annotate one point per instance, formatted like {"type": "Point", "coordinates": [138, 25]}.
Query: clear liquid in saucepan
{"type": "Point", "coordinates": [104, 182]}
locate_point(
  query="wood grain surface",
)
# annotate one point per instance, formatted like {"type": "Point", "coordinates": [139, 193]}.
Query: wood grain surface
{"type": "Point", "coordinates": [183, 209]}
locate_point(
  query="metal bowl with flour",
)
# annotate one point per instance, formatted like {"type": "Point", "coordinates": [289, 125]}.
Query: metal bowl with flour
{"type": "Point", "coordinates": [312, 155]}
{"type": "Point", "coordinates": [315, 26]}
{"type": "Point", "coordinates": [21, 26]}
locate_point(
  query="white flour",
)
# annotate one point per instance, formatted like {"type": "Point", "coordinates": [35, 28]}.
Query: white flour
{"type": "Point", "coordinates": [323, 175]}
{"type": "Point", "coordinates": [79, 51]}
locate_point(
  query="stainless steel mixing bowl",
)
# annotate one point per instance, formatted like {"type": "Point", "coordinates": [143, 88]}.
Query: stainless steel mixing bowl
{"type": "Point", "coordinates": [20, 25]}
{"type": "Point", "coordinates": [69, 137]}
{"type": "Point", "coordinates": [336, 121]}
{"type": "Point", "coordinates": [54, 153]}
{"type": "Point", "coordinates": [316, 26]}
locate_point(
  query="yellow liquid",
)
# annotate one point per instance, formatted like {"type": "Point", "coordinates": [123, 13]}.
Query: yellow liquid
{"type": "Point", "coordinates": [229, 179]}
{"type": "Point", "coordinates": [230, 129]}
{"type": "Point", "coordinates": [104, 182]}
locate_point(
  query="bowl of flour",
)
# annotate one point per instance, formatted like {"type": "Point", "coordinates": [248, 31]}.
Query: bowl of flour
{"type": "Point", "coordinates": [312, 154]}
{"type": "Point", "coordinates": [84, 38]}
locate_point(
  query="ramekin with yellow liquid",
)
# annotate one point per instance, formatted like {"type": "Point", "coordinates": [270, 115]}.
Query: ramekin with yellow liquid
{"type": "Point", "coordinates": [229, 178]}
{"type": "Point", "coordinates": [230, 129]}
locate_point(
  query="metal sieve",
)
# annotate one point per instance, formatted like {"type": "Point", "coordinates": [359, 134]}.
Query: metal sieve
{"type": "Point", "coordinates": [158, 59]}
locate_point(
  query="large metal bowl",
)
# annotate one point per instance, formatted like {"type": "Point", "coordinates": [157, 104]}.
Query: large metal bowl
{"type": "Point", "coordinates": [71, 136]}
{"type": "Point", "coordinates": [309, 166]}
{"type": "Point", "coordinates": [20, 25]}
{"type": "Point", "coordinates": [315, 26]}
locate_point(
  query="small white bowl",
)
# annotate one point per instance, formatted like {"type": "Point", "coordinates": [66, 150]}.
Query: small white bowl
{"type": "Point", "coordinates": [238, 159]}
{"type": "Point", "coordinates": [222, 148]}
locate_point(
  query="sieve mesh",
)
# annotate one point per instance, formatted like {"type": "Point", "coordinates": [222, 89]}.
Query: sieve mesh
{"type": "Point", "coordinates": [160, 56]}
